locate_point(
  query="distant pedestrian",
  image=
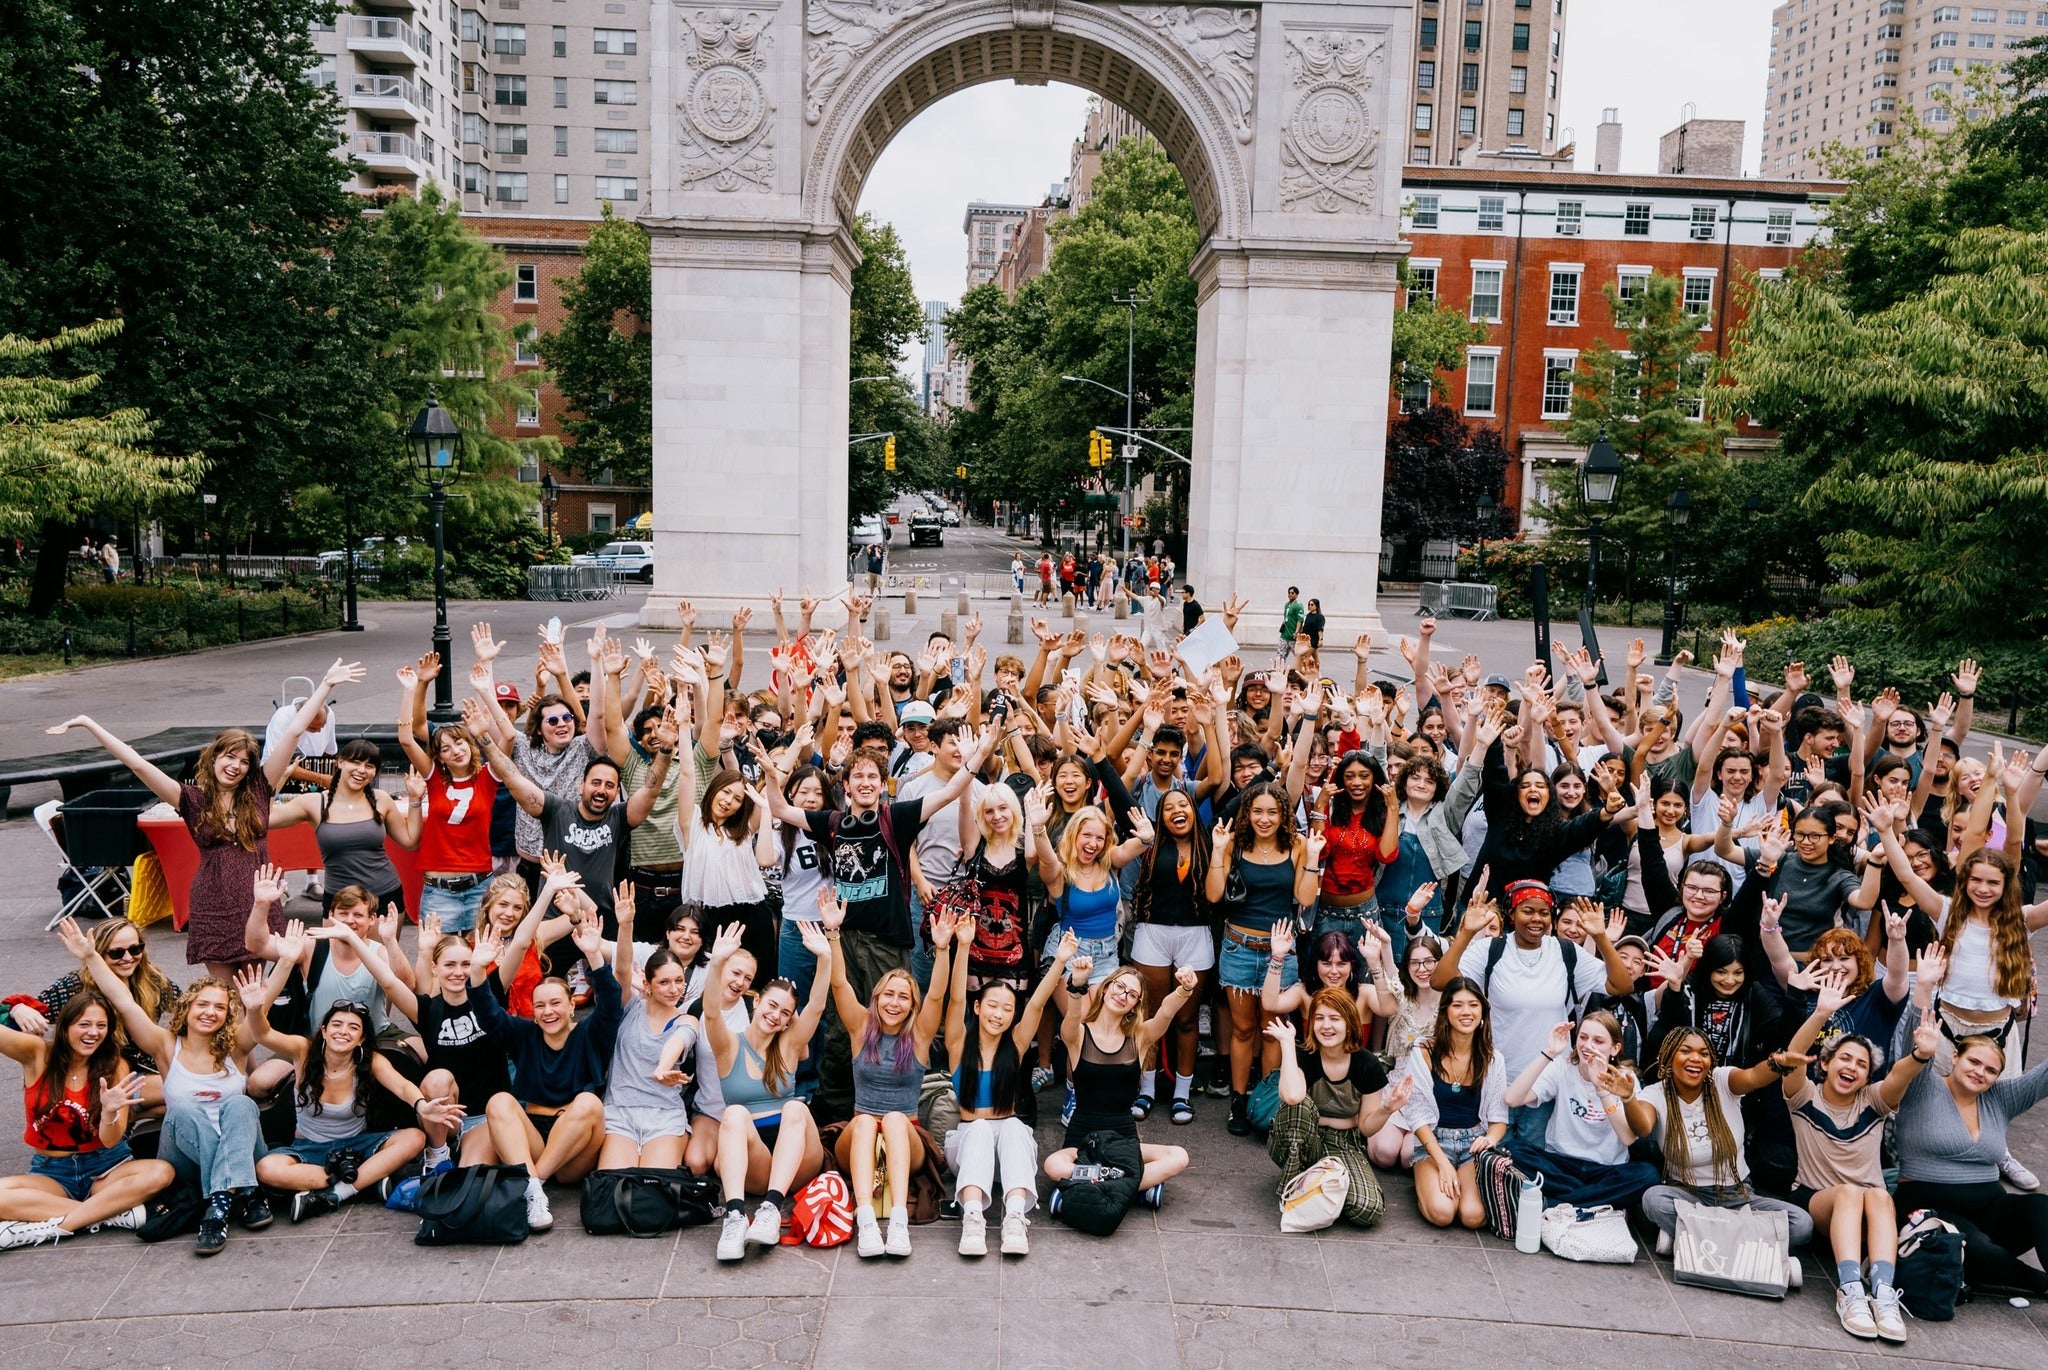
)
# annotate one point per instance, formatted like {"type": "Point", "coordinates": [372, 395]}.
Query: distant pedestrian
{"type": "Point", "coordinates": [1045, 574]}
{"type": "Point", "coordinates": [1290, 621]}
{"type": "Point", "coordinates": [110, 561]}
{"type": "Point", "coordinates": [876, 560]}
{"type": "Point", "coordinates": [1017, 571]}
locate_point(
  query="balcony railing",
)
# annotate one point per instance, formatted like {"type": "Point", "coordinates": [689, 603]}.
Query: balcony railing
{"type": "Point", "coordinates": [368, 31]}
{"type": "Point", "coordinates": [385, 146]}
{"type": "Point", "coordinates": [382, 91]}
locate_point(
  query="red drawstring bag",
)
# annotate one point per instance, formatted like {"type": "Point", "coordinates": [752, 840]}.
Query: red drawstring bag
{"type": "Point", "coordinates": [822, 1214]}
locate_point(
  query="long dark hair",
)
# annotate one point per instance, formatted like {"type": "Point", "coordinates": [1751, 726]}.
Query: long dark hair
{"type": "Point", "coordinates": [312, 1081]}
{"type": "Point", "coordinates": [1006, 1069]}
{"type": "Point", "coordinates": [61, 1059]}
{"type": "Point", "coordinates": [1164, 841]}
{"type": "Point", "coordinates": [789, 831]}
{"type": "Point", "coordinates": [1482, 1036]}
{"type": "Point", "coordinates": [1342, 810]}
{"type": "Point", "coordinates": [1241, 835]}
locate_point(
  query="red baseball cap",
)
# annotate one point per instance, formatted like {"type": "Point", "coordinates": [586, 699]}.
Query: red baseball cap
{"type": "Point", "coordinates": [507, 692]}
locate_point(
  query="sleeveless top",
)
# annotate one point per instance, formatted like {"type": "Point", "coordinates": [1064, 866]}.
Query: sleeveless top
{"type": "Point", "coordinates": [188, 1089]}
{"type": "Point", "coordinates": [330, 987]}
{"type": "Point", "coordinates": [334, 1122]}
{"type": "Point", "coordinates": [1972, 981]}
{"type": "Point", "coordinates": [741, 1086]}
{"type": "Point", "coordinates": [353, 852]}
{"type": "Point", "coordinates": [456, 834]}
{"type": "Point", "coordinates": [998, 948]}
{"type": "Point", "coordinates": [1269, 894]}
{"type": "Point", "coordinates": [1105, 1086]}
{"type": "Point", "coordinates": [878, 1087]}
{"type": "Point", "coordinates": [1090, 913]}
{"type": "Point", "coordinates": [66, 1125]}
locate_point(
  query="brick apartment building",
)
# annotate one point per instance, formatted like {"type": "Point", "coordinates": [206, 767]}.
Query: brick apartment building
{"type": "Point", "coordinates": [1529, 252]}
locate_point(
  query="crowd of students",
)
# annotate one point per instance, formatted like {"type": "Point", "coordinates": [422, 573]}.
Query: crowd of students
{"type": "Point", "coordinates": [1774, 953]}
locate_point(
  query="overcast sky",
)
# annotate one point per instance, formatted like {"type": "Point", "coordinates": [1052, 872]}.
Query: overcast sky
{"type": "Point", "coordinates": [1009, 143]}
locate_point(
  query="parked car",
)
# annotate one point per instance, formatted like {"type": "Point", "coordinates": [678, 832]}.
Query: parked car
{"type": "Point", "coordinates": [369, 552]}
{"type": "Point", "coordinates": [926, 529]}
{"type": "Point", "coordinates": [625, 560]}
{"type": "Point", "coordinates": [865, 531]}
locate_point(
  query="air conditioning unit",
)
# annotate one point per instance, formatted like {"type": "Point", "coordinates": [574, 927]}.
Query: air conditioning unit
{"type": "Point", "coordinates": [1568, 228]}
{"type": "Point", "coordinates": [1703, 233]}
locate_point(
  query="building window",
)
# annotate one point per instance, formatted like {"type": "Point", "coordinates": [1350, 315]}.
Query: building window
{"type": "Point", "coordinates": [1635, 221]}
{"type": "Point", "coordinates": [1778, 228]}
{"type": "Point", "coordinates": [1415, 393]}
{"type": "Point", "coordinates": [471, 27]}
{"type": "Point", "coordinates": [1521, 38]}
{"type": "Point", "coordinates": [1705, 220]}
{"type": "Point", "coordinates": [1571, 216]}
{"type": "Point", "coordinates": [1983, 40]}
{"type": "Point", "coordinates": [1421, 286]}
{"type": "Point", "coordinates": [1480, 368]}
{"type": "Point", "coordinates": [561, 190]}
{"type": "Point", "coordinates": [615, 92]}
{"type": "Point", "coordinates": [526, 276]}
{"type": "Point", "coordinates": [508, 91]}
{"type": "Point", "coordinates": [1948, 14]}
{"type": "Point", "coordinates": [1468, 78]}
{"type": "Point", "coordinates": [561, 140]}
{"type": "Point", "coordinates": [508, 40]}
{"type": "Point", "coordinates": [475, 129]}
{"type": "Point", "coordinates": [1471, 35]}
{"type": "Point", "coordinates": [1425, 116]}
{"type": "Point", "coordinates": [1941, 66]}
{"type": "Point", "coordinates": [618, 187]}
{"type": "Point", "coordinates": [1419, 154]}
{"type": "Point", "coordinates": [1468, 120]}
{"type": "Point", "coordinates": [1942, 40]}
{"type": "Point", "coordinates": [561, 92]}
{"type": "Point", "coordinates": [525, 351]}
{"type": "Point", "coordinates": [1486, 293]}
{"type": "Point", "coordinates": [1425, 211]}
{"type": "Point", "coordinates": [475, 179]}
{"type": "Point", "coordinates": [616, 42]}
{"type": "Point", "coordinates": [1692, 386]}
{"type": "Point", "coordinates": [1631, 282]}
{"type": "Point", "coordinates": [1425, 76]}
{"type": "Point", "coordinates": [529, 409]}
{"type": "Point", "coordinates": [561, 41]}
{"type": "Point", "coordinates": [1550, 128]}
{"type": "Point", "coordinates": [618, 140]}
{"type": "Point", "coordinates": [601, 516]}
{"type": "Point", "coordinates": [1515, 118]}
{"type": "Point", "coordinates": [1558, 368]}
{"type": "Point", "coordinates": [512, 188]}
{"type": "Point", "coordinates": [1699, 299]}
{"type": "Point", "coordinates": [1518, 80]}
{"type": "Point", "coordinates": [1493, 211]}
{"type": "Point", "coordinates": [511, 139]}
{"type": "Point", "coordinates": [1427, 38]}
{"type": "Point", "coordinates": [1564, 296]}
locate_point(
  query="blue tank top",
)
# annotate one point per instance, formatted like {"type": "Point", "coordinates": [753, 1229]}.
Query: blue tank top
{"type": "Point", "coordinates": [1268, 894]}
{"type": "Point", "coordinates": [741, 1086]}
{"type": "Point", "coordinates": [1091, 913]}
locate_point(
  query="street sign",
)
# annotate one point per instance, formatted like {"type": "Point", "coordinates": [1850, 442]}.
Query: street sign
{"type": "Point", "coordinates": [1132, 520]}
{"type": "Point", "coordinates": [209, 499]}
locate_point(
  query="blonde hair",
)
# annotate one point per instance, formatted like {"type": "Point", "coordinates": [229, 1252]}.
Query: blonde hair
{"type": "Point", "coordinates": [505, 885]}
{"type": "Point", "coordinates": [1130, 1022]}
{"type": "Point", "coordinates": [1007, 797]}
{"type": "Point", "coordinates": [1070, 837]}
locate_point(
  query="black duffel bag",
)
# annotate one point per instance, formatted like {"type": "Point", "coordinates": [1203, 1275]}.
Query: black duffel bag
{"type": "Point", "coordinates": [1107, 1169]}
{"type": "Point", "coordinates": [473, 1205]}
{"type": "Point", "coordinates": [637, 1201]}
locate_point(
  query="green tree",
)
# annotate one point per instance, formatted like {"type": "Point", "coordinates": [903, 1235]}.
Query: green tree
{"type": "Point", "coordinates": [885, 319]}
{"type": "Point", "coordinates": [1430, 339]}
{"type": "Point", "coordinates": [602, 357]}
{"type": "Point", "coordinates": [57, 463]}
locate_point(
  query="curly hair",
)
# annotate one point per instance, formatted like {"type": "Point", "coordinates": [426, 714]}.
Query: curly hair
{"type": "Point", "coordinates": [1843, 941]}
{"type": "Point", "coordinates": [1241, 835]}
{"type": "Point", "coordinates": [222, 1042]}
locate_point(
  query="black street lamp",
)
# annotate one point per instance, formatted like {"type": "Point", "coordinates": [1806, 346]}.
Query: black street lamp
{"type": "Point", "coordinates": [1751, 507]}
{"type": "Point", "coordinates": [1599, 484]}
{"type": "Point", "coordinates": [550, 491]}
{"type": "Point", "coordinates": [1677, 514]}
{"type": "Point", "coordinates": [1484, 508]}
{"type": "Point", "coordinates": [435, 442]}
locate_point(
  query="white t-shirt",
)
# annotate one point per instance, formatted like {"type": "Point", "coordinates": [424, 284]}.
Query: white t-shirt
{"type": "Point", "coordinates": [1693, 1118]}
{"type": "Point", "coordinates": [938, 842]}
{"type": "Point", "coordinates": [1528, 995]}
{"type": "Point", "coordinates": [1578, 1125]}
{"type": "Point", "coordinates": [802, 879]}
{"type": "Point", "coordinates": [312, 742]}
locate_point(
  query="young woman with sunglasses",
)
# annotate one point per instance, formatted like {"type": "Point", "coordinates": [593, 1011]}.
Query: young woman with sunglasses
{"type": "Point", "coordinates": [455, 816]}
{"type": "Point", "coordinates": [352, 818]}
{"type": "Point", "coordinates": [226, 809]}
{"type": "Point", "coordinates": [77, 1097]}
{"type": "Point", "coordinates": [119, 943]}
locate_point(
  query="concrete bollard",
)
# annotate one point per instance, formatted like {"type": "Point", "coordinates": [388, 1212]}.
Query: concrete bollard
{"type": "Point", "coordinates": [1081, 622]}
{"type": "Point", "coordinates": [910, 603]}
{"type": "Point", "coordinates": [1123, 608]}
{"type": "Point", "coordinates": [961, 606]}
{"type": "Point", "coordinates": [878, 623]}
{"type": "Point", "coordinates": [1015, 635]}
{"type": "Point", "coordinates": [949, 624]}
{"type": "Point", "coordinates": [1067, 604]}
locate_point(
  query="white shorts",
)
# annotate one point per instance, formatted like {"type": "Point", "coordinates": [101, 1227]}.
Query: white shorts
{"type": "Point", "coordinates": [641, 1125]}
{"type": "Point", "coordinates": [1155, 944]}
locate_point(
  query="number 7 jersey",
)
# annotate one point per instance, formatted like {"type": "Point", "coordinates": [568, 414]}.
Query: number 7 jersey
{"type": "Point", "coordinates": [456, 838]}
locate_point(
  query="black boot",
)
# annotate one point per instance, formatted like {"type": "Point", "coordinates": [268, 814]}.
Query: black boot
{"type": "Point", "coordinates": [213, 1224]}
{"type": "Point", "coordinates": [1240, 1123]}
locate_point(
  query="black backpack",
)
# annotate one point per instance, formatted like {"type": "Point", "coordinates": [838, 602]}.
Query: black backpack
{"type": "Point", "coordinates": [1930, 1270]}
{"type": "Point", "coordinates": [1097, 1207]}
{"type": "Point", "coordinates": [1498, 947]}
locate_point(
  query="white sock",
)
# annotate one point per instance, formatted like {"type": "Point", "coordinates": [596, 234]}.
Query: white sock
{"type": "Point", "coordinates": [1183, 1085]}
{"type": "Point", "coordinates": [899, 1214]}
{"type": "Point", "coordinates": [865, 1216]}
{"type": "Point", "coordinates": [533, 1186]}
{"type": "Point", "coordinates": [970, 1209]}
{"type": "Point", "coordinates": [1016, 1204]}
{"type": "Point", "coordinates": [1146, 1080]}
{"type": "Point", "coordinates": [434, 1155]}
{"type": "Point", "coordinates": [344, 1192]}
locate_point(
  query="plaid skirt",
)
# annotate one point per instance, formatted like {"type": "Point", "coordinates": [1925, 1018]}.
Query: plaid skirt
{"type": "Point", "coordinates": [1298, 1140]}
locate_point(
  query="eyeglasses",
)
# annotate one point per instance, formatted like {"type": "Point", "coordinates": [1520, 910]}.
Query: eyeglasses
{"type": "Point", "coordinates": [551, 719]}
{"type": "Point", "coordinates": [135, 953]}
{"type": "Point", "coordinates": [1809, 837]}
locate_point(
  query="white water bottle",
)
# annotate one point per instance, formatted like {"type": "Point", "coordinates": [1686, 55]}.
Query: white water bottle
{"type": "Point", "coordinates": [1529, 1216]}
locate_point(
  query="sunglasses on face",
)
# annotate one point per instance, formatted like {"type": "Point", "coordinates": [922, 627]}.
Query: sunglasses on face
{"type": "Point", "coordinates": [552, 719]}
{"type": "Point", "coordinates": [124, 953]}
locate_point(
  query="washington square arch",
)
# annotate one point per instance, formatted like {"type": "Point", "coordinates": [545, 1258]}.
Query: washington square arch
{"type": "Point", "coordinates": [1284, 119]}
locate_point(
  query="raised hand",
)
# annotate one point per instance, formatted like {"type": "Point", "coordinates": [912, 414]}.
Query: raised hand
{"type": "Point", "coordinates": [1185, 980]}
{"type": "Point", "coordinates": [1843, 673]}
{"type": "Point", "coordinates": [1559, 1041]}
{"type": "Point", "coordinates": [1770, 912]}
{"type": "Point", "coordinates": [343, 673]}
{"type": "Point", "coordinates": [1283, 939]}
{"type": "Point", "coordinates": [483, 644]}
{"type": "Point", "coordinates": [1068, 945]}
{"type": "Point", "coordinates": [943, 928]}
{"type": "Point", "coordinates": [269, 885]}
{"type": "Point", "coordinates": [1933, 968]}
{"type": "Point", "coordinates": [831, 908]}
{"type": "Point", "coordinates": [74, 939]}
{"type": "Point", "coordinates": [1967, 677]}
{"type": "Point", "coordinates": [249, 986]}
{"type": "Point", "coordinates": [1221, 835]}
{"type": "Point", "coordinates": [490, 944]}
{"type": "Point", "coordinates": [622, 909]}
{"type": "Point", "coordinates": [1080, 967]}
{"type": "Point", "coordinates": [1281, 1030]}
{"type": "Point", "coordinates": [116, 1095]}
{"type": "Point", "coordinates": [1927, 1035]}
{"type": "Point", "coordinates": [387, 924]}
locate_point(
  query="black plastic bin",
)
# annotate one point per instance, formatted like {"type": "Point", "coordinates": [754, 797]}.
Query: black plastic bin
{"type": "Point", "coordinates": [100, 827]}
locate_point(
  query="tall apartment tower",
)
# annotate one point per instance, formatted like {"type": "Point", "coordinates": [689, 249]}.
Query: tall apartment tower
{"type": "Point", "coordinates": [1841, 70]}
{"type": "Point", "coordinates": [522, 112]}
{"type": "Point", "coordinates": [932, 375]}
{"type": "Point", "coordinates": [1487, 76]}
{"type": "Point", "coordinates": [990, 229]}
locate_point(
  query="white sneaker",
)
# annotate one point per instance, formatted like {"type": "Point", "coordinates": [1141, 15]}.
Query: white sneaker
{"type": "Point", "coordinates": [1795, 1272]}
{"type": "Point", "coordinates": [867, 1233]}
{"type": "Point", "coordinates": [2017, 1175]}
{"type": "Point", "coordinates": [1663, 1242]}
{"type": "Point", "coordinates": [898, 1243]}
{"type": "Point", "coordinates": [539, 1217]}
{"type": "Point", "coordinates": [1854, 1311]}
{"type": "Point", "coordinates": [766, 1229]}
{"type": "Point", "coordinates": [130, 1221]}
{"type": "Point", "coordinates": [1891, 1322]}
{"type": "Point", "coordinates": [732, 1238]}
{"type": "Point", "coordinates": [1016, 1235]}
{"type": "Point", "coordinates": [973, 1233]}
{"type": "Point", "coordinates": [15, 1234]}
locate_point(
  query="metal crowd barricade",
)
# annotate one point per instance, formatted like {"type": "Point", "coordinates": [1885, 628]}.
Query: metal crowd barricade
{"type": "Point", "coordinates": [569, 584]}
{"type": "Point", "coordinates": [1443, 598]}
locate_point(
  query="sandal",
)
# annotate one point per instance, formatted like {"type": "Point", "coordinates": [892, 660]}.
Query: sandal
{"type": "Point", "coordinates": [1141, 1107]}
{"type": "Point", "coordinates": [1183, 1112]}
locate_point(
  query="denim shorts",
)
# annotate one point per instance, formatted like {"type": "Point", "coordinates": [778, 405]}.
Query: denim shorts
{"type": "Point", "coordinates": [457, 909]}
{"type": "Point", "coordinates": [1244, 967]}
{"type": "Point", "coordinates": [363, 1145]}
{"type": "Point", "coordinates": [1455, 1142]}
{"type": "Point", "coordinates": [76, 1172]}
{"type": "Point", "coordinates": [1101, 952]}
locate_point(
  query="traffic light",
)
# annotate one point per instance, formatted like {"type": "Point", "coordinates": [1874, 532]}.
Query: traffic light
{"type": "Point", "coordinates": [1096, 443]}
{"type": "Point", "coordinates": [960, 472]}
{"type": "Point", "coordinates": [889, 453]}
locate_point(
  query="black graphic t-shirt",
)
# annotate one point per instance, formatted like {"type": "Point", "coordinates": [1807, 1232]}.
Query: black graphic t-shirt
{"type": "Point", "coordinates": [589, 847]}
{"type": "Point", "coordinates": [457, 1044]}
{"type": "Point", "coordinates": [867, 875]}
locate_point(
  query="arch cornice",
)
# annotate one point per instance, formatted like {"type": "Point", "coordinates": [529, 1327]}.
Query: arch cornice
{"type": "Point", "coordinates": [960, 43]}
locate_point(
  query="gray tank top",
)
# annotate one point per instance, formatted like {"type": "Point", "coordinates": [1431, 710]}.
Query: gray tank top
{"type": "Point", "coordinates": [880, 1088]}
{"type": "Point", "coordinates": [354, 855]}
{"type": "Point", "coordinates": [635, 1053]}
{"type": "Point", "coordinates": [334, 1122]}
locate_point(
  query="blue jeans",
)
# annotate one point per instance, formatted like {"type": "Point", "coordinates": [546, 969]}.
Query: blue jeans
{"type": "Point", "coordinates": [457, 909]}
{"type": "Point", "coordinates": [78, 1171]}
{"type": "Point", "coordinates": [1349, 921]}
{"type": "Point", "coordinates": [1528, 1124]}
{"type": "Point", "coordinates": [223, 1159]}
{"type": "Point", "coordinates": [364, 1145]}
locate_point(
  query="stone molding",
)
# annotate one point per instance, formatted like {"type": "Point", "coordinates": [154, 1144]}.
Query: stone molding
{"type": "Point", "coordinates": [838, 32]}
{"type": "Point", "coordinates": [725, 118]}
{"type": "Point", "coordinates": [763, 246]}
{"type": "Point", "coordinates": [1329, 139]}
{"type": "Point", "coordinates": [1223, 43]}
{"type": "Point", "coordinates": [1331, 266]}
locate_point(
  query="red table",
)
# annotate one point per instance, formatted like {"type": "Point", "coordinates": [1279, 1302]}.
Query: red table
{"type": "Point", "coordinates": [293, 849]}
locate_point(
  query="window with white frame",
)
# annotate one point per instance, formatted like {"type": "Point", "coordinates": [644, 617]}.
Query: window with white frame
{"type": "Point", "coordinates": [1425, 214]}
{"type": "Point", "coordinates": [1481, 366]}
{"type": "Point", "coordinates": [616, 42]}
{"type": "Point", "coordinates": [508, 90]}
{"type": "Point", "coordinates": [561, 189]}
{"type": "Point", "coordinates": [618, 187]}
{"type": "Point", "coordinates": [526, 276]}
{"type": "Point", "coordinates": [511, 139]}
{"type": "Point", "coordinates": [1631, 281]}
{"type": "Point", "coordinates": [1635, 220]}
{"type": "Point", "coordinates": [1692, 385]}
{"type": "Point", "coordinates": [529, 409]}
{"type": "Point", "coordinates": [508, 40]}
{"type": "Point", "coordinates": [615, 92]}
{"type": "Point", "coordinates": [1558, 369]}
{"type": "Point", "coordinates": [1778, 228]}
{"type": "Point", "coordinates": [1628, 385]}
{"type": "Point", "coordinates": [1486, 292]}
{"type": "Point", "coordinates": [1564, 294]}
{"type": "Point", "coordinates": [1705, 220]}
{"type": "Point", "coordinates": [1699, 296]}
{"type": "Point", "coordinates": [512, 187]}
{"type": "Point", "coordinates": [1571, 217]}
{"type": "Point", "coordinates": [525, 351]}
{"type": "Point", "coordinates": [1493, 213]}
{"type": "Point", "coordinates": [618, 140]}
{"type": "Point", "coordinates": [1421, 285]}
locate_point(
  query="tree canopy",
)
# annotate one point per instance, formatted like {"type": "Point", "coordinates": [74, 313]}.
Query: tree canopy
{"type": "Point", "coordinates": [602, 357]}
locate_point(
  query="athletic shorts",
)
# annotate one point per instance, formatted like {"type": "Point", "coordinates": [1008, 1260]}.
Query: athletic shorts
{"type": "Point", "coordinates": [641, 1124]}
{"type": "Point", "coordinates": [1159, 944]}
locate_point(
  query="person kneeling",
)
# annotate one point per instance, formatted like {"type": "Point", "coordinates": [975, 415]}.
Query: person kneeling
{"type": "Point", "coordinates": [1333, 1095]}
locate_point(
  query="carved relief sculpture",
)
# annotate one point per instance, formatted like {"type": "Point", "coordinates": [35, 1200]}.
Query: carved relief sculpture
{"type": "Point", "coordinates": [1223, 43]}
{"type": "Point", "coordinates": [837, 32]}
{"type": "Point", "coordinates": [1329, 147]}
{"type": "Point", "coordinates": [728, 132]}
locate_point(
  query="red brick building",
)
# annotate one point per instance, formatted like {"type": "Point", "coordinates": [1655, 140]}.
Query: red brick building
{"type": "Point", "coordinates": [1530, 252]}
{"type": "Point", "coordinates": [543, 253]}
